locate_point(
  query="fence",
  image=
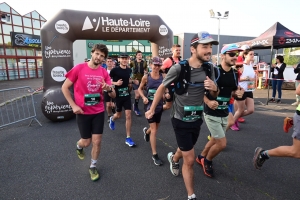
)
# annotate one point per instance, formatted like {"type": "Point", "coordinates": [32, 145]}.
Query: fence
{"type": "Point", "coordinates": [16, 105]}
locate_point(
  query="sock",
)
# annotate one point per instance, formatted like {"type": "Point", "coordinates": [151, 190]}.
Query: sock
{"type": "Point", "coordinates": [78, 147]}
{"type": "Point", "coordinates": [136, 102]}
{"type": "Point", "coordinates": [93, 163]}
{"type": "Point", "coordinates": [192, 196]}
{"type": "Point", "coordinates": [128, 137]}
{"type": "Point", "coordinates": [207, 161]}
{"type": "Point", "coordinates": [200, 157]}
{"type": "Point", "coordinates": [113, 110]}
{"type": "Point", "coordinates": [265, 154]}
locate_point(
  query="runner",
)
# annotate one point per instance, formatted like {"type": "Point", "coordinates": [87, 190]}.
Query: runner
{"type": "Point", "coordinates": [167, 64]}
{"type": "Point", "coordinates": [121, 78]}
{"type": "Point", "coordinates": [139, 67]}
{"type": "Point", "coordinates": [247, 82]}
{"type": "Point", "coordinates": [187, 106]}
{"type": "Point", "coordinates": [260, 155]}
{"type": "Point", "coordinates": [152, 81]}
{"type": "Point", "coordinates": [89, 80]}
{"type": "Point", "coordinates": [110, 105]}
{"type": "Point", "coordinates": [216, 109]}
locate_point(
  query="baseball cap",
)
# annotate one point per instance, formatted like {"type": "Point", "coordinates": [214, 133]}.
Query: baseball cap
{"type": "Point", "coordinates": [230, 47]}
{"type": "Point", "coordinates": [123, 55]}
{"type": "Point", "coordinates": [156, 61]}
{"type": "Point", "coordinates": [203, 37]}
{"type": "Point", "coordinates": [244, 47]}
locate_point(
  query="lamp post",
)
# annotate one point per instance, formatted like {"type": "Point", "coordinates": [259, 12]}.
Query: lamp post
{"type": "Point", "coordinates": [219, 17]}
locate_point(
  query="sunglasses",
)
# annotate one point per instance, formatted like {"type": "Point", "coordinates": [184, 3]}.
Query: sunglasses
{"type": "Point", "coordinates": [232, 54]}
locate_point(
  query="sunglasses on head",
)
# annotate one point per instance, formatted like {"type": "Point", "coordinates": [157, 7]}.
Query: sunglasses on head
{"type": "Point", "coordinates": [232, 54]}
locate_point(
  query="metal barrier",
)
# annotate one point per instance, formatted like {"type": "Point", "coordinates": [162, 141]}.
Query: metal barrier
{"type": "Point", "coordinates": [16, 105]}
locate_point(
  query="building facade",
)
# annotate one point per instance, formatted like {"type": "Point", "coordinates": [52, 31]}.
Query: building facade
{"type": "Point", "coordinates": [20, 46]}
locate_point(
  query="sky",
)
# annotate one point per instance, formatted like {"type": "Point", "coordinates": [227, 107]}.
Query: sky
{"type": "Point", "coordinates": [246, 18]}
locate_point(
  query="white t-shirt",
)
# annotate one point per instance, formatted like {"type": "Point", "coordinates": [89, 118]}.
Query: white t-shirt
{"type": "Point", "coordinates": [248, 86]}
{"type": "Point", "coordinates": [275, 70]}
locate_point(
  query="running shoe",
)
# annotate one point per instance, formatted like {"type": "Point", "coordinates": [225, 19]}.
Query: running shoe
{"type": "Point", "coordinates": [258, 160]}
{"type": "Point", "coordinates": [278, 101]}
{"type": "Point", "coordinates": [207, 168]}
{"type": "Point", "coordinates": [198, 159]}
{"type": "Point", "coordinates": [146, 136]}
{"type": "Point", "coordinates": [129, 142]}
{"type": "Point", "coordinates": [241, 120]}
{"type": "Point", "coordinates": [136, 110]}
{"type": "Point", "coordinates": [287, 124]}
{"type": "Point", "coordinates": [295, 103]}
{"type": "Point", "coordinates": [156, 160]}
{"type": "Point", "coordinates": [272, 100]}
{"type": "Point", "coordinates": [174, 167]}
{"type": "Point", "coordinates": [111, 123]}
{"type": "Point", "coordinates": [235, 127]}
{"type": "Point", "coordinates": [80, 153]}
{"type": "Point", "coordinates": [94, 173]}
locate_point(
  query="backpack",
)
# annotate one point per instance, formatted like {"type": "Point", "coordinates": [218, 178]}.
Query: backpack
{"type": "Point", "coordinates": [173, 63]}
{"type": "Point", "coordinates": [184, 77]}
{"type": "Point", "coordinates": [135, 67]}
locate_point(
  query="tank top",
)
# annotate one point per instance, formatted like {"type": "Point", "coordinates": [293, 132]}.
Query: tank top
{"type": "Point", "coordinates": [248, 86]}
{"type": "Point", "coordinates": [152, 85]}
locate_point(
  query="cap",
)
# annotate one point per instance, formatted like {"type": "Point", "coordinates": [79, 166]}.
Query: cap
{"type": "Point", "coordinates": [156, 61]}
{"type": "Point", "coordinates": [203, 38]}
{"type": "Point", "coordinates": [244, 47]}
{"type": "Point", "coordinates": [123, 55]}
{"type": "Point", "coordinates": [230, 47]}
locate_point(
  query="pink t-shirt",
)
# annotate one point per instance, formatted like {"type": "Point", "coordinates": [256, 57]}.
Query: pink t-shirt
{"type": "Point", "coordinates": [168, 63]}
{"type": "Point", "coordinates": [88, 81]}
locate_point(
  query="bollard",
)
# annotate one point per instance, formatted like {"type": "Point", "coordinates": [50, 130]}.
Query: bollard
{"type": "Point", "coordinates": [259, 82]}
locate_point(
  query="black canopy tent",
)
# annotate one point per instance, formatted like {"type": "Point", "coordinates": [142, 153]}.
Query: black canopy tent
{"type": "Point", "coordinates": [276, 37]}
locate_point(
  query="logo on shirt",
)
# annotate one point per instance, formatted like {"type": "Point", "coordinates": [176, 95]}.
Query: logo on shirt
{"type": "Point", "coordinates": [58, 73]}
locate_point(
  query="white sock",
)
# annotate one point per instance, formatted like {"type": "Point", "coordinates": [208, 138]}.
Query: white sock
{"type": "Point", "coordinates": [192, 196]}
{"type": "Point", "coordinates": [93, 163]}
{"type": "Point", "coordinates": [78, 147]}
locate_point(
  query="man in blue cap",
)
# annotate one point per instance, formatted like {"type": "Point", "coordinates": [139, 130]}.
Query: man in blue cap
{"type": "Point", "coordinates": [216, 109]}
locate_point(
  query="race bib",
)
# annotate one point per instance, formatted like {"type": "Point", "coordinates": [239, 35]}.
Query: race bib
{"type": "Point", "coordinates": [91, 99]}
{"type": "Point", "coordinates": [223, 103]}
{"type": "Point", "coordinates": [192, 113]}
{"type": "Point", "coordinates": [151, 93]}
{"type": "Point", "coordinates": [250, 86]}
{"type": "Point", "coordinates": [123, 92]}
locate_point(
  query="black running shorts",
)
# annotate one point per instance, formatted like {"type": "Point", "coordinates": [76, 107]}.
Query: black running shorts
{"type": "Point", "coordinates": [90, 124]}
{"type": "Point", "coordinates": [245, 96]}
{"type": "Point", "coordinates": [107, 98]}
{"type": "Point", "coordinates": [124, 102]}
{"type": "Point", "coordinates": [187, 133]}
{"type": "Point", "coordinates": [156, 118]}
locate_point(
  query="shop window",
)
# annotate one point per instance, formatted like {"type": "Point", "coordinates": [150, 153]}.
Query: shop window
{"type": "Point", "coordinates": [36, 32]}
{"type": "Point", "coordinates": [128, 48]}
{"type": "Point", "coordinates": [7, 28]}
{"type": "Point", "coordinates": [35, 15]}
{"type": "Point", "coordinates": [30, 52]}
{"type": "Point", "coordinates": [38, 52]}
{"type": "Point", "coordinates": [1, 51]}
{"type": "Point", "coordinates": [17, 20]}
{"type": "Point", "coordinates": [1, 42]}
{"type": "Point", "coordinates": [28, 15]}
{"type": "Point", "coordinates": [11, 63]}
{"type": "Point", "coordinates": [42, 18]}
{"type": "Point", "coordinates": [135, 42]}
{"type": "Point", "coordinates": [0, 29]}
{"type": "Point", "coordinates": [14, 12]}
{"type": "Point", "coordinates": [42, 23]}
{"type": "Point", "coordinates": [21, 52]}
{"type": "Point", "coordinates": [18, 29]}
{"type": "Point", "coordinates": [147, 49]}
{"type": "Point", "coordinates": [141, 48]}
{"type": "Point", "coordinates": [109, 47]}
{"type": "Point", "coordinates": [36, 23]}
{"type": "Point", "coordinates": [122, 48]}
{"type": "Point", "coordinates": [116, 48]}
{"type": "Point", "coordinates": [135, 48]}
{"type": "Point", "coordinates": [4, 7]}
{"type": "Point", "coordinates": [7, 40]}
{"type": "Point", "coordinates": [10, 51]}
{"type": "Point", "coordinates": [28, 30]}
{"type": "Point", "coordinates": [27, 22]}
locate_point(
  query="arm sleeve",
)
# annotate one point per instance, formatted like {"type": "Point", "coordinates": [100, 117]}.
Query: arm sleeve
{"type": "Point", "coordinates": [72, 75]}
{"type": "Point", "coordinates": [172, 75]}
{"type": "Point", "coordinates": [282, 68]}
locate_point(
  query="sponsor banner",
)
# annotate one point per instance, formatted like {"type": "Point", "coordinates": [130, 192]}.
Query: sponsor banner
{"type": "Point", "coordinates": [56, 53]}
{"type": "Point", "coordinates": [25, 40]}
{"type": "Point", "coordinates": [58, 73]}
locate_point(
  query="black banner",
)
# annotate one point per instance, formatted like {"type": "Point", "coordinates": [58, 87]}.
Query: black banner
{"type": "Point", "coordinates": [25, 40]}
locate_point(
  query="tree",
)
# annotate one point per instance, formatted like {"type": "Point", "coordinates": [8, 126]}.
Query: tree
{"type": "Point", "coordinates": [290, 59]}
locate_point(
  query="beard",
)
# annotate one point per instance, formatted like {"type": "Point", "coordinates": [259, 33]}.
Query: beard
{"type": "Point", "coordinates": [202, 58]}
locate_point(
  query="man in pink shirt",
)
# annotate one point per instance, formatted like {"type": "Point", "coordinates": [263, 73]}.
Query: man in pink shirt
{"type": "Point", "coordinates": [167, 64]}
{"type": "Point", "coordinates": [89, 80]}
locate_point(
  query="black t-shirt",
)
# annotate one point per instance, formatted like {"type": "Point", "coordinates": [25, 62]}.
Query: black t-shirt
{"type": "Point", "coordinates": [227, 82]}
{"type": "Point", "coordinates": [118, 73]}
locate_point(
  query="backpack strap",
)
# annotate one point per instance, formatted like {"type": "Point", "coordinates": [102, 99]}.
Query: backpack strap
{"type": "Point", "coordinates": [184, 77]}
{"type": "Point", "coordinates": [171, 58]}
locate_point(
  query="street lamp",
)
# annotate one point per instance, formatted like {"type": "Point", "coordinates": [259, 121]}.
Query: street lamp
{"type": "Point", "coordinates": [218, 17]}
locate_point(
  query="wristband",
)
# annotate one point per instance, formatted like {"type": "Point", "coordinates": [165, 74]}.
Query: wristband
{"type": "Point", "coordinates": [110, 90]}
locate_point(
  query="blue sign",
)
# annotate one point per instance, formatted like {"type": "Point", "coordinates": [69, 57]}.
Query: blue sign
{"type": "Point", "coordinates": [25, 40]}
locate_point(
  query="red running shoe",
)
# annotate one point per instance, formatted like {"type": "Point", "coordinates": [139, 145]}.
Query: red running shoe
{"type": "Point", "coordinates": [241, 120]}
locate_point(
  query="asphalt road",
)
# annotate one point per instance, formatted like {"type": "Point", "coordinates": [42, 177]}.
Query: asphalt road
{"type": "Point", "coordinates": [41, 162]}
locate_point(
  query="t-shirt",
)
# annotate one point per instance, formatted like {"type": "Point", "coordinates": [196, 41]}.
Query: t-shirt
{"type": "Point", "coordinates": [227, 82]}
{"type": "Point", "coordinates": [168, 63]}
{"type": "Point", "coordinates": [118, 73]}
{"type": "Point", "coordinates": [248, 86]}
{"type": "Point", "coordinates": [239, 60]}
{"type": "Point", "coordinates": [194, 96]}
{"type": "Point", "coordinates": [88, 81]}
